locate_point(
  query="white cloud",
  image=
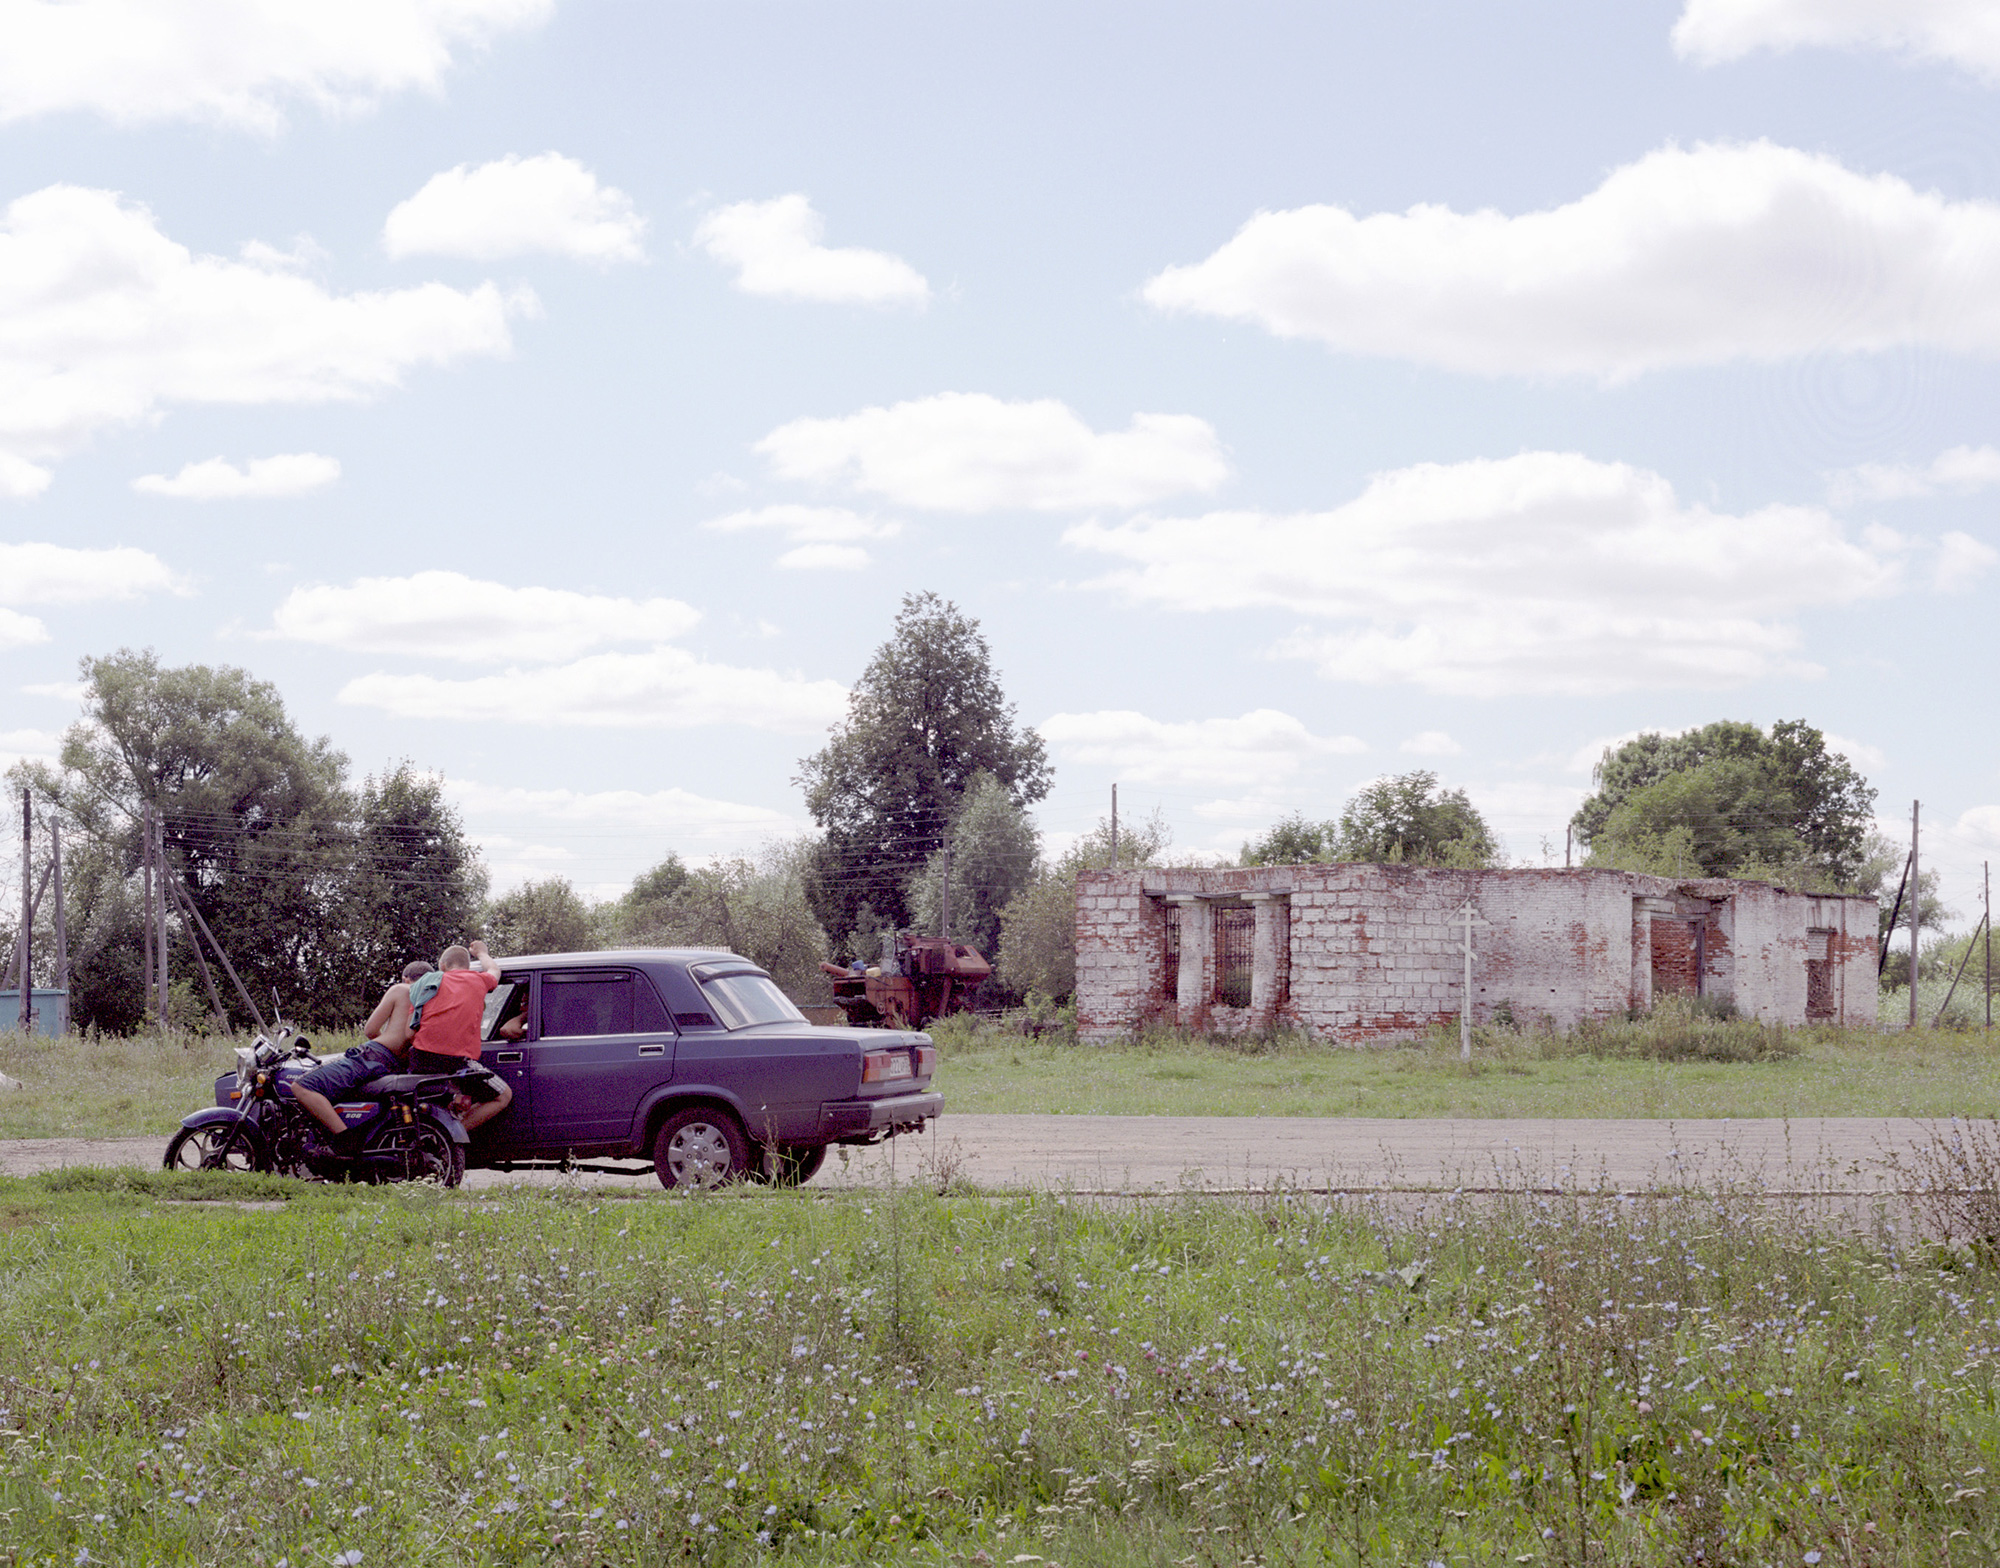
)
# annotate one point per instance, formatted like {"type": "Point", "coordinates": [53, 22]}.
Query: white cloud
{"type": "Point", "coordinates": [808, 524]}
{"type": "Point", "coordinates": [1980, 827]}
{"type": "Point", "coordinates": [1546, 572]}
{"type": "Point", "coordinates": [1259, 748]}
{"type": "Point", "coordinates": [1857, 751]}
{"type": "Point", "coordinates": [517, 206]}
{"type": "Point", "coordinates": [234, 62]}
{"type": "Point", "coordinates": [104, 320]}
{"type": "Point", "coordinates": [825, 558]}
{"type": "Point", "coordinates": [62, 691]}
{"type": "Point", "coordinates": [775, 248]}
{"type": "Point", "coordinates": [1961, 561]}
{"type": "Point", "coordinates": [671, 813]}
{"type": "Point", "coordinates": [55, 574]}
{"type": "Point", "coordinates": [825, 537]}
{"type": "Point", "coordinates": [21, 480]}
{"type": "Point", "coordinates": [25, 745]}
{"type": "Point", "coordinates": [1686, 257]}
{"type": "Point", "coordinates": [20, 631]}
{"type": "Point", "coordinates": [1962, 470]}
{"type": "Point", "coordinates": [1962, 32]}
{"type": "Point", "coordinates": [39, 574]}
{"type": "Point", "coordinates": [261, 479]}
{"type": "Point", "coordinates": [968, 452]}
{"type": "Point", "coordinates": [1431, 743]}
{"type": "Point", "coordinates": [457, 617]}
{"type": "Point", "coordinates": [663, 688]}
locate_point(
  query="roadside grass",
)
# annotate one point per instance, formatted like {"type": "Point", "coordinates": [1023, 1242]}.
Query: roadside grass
{"type": "Point", "coordinates": [1674, 1065]}
{"type": "Point", "coordinates": [1677, 1064]}
{"type": "Point", "coordinates": [405, 1376]}
{"type": "Point", "coordinates": [87, 1086]}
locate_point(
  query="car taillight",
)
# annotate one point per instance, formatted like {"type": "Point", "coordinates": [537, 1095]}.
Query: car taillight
{"type": "Point", "coordinates": [926, 1060]}
{"type": "Point", "coordinates": [885, 1066]}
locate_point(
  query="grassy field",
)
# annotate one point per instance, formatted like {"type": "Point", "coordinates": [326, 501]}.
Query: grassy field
{"type": "Point", "coordinates": [1832, 1073]}
{"type": "Point", "coordinates": [292, 1375]}
{"type": "Point", "coordinates": [142, 1087]}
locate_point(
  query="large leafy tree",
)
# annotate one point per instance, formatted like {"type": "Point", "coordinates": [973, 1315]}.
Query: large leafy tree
{"type": "Point", "coordinates": [549, 916]}
{"type": "Point", "coordinates": [994, 848]}
{"type": "Point", "coordinates": [255, 815]}
{"type": "Point", "coordinates": [755, 907]}
{"type": "Point", "coordinates": [925, 719]}
{"type": "Point", "coordinates": [1408, 818]}
{"type": "Point", "coordinates": [1038, 926]}
{"type": "Point", "coordinates": [415, 885]}
{"type": "Point", "coordinates": [1730, 799]}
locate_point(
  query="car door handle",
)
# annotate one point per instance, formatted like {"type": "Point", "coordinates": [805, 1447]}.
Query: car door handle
{"type": "Point", "coordinates": [652, 1050]}
{"type": "Point", "coordinates": [506, 1056]}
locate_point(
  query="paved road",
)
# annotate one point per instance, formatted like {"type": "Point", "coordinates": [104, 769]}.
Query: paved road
{"type": "Point", "coordinates": [1138, 1154]}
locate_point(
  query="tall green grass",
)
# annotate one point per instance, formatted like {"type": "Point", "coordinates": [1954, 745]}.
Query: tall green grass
{"type": "Point", "coordinates": [410, 1377]}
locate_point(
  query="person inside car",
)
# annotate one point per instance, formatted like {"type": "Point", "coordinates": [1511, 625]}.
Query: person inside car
{"type": "Point", "coordinates": [381, 1053]}
{"type": "Point", "coordinates": [448, 1034]}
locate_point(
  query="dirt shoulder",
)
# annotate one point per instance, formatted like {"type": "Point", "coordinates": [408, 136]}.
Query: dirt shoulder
{"type": "Point", "coordinates": [1137, 1154]}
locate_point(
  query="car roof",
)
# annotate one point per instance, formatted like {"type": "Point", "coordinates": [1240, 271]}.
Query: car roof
{"type": "Point", "coordinates": [626, 955]}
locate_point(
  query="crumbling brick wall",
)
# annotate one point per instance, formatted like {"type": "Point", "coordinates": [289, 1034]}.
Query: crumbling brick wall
{"type": "Point", "coordinates": [1360, 953]}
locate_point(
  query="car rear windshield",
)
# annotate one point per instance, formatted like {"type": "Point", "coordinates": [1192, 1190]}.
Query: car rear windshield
{"type": "Point", "coordinates": [742, 1000]}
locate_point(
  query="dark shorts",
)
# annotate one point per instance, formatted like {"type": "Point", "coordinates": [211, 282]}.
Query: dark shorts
{"type": "Point", "coordinates": [438, 1061]}
{"type": "Point", "coordinates": [359, 1065]}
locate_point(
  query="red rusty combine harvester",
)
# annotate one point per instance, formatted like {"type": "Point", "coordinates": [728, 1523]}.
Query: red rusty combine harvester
{"type": "Point", "coordinates": [919, 978]}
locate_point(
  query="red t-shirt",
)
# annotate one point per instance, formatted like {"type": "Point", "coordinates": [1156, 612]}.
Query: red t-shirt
{"type": "Point", "coordinates": [451, 1018]}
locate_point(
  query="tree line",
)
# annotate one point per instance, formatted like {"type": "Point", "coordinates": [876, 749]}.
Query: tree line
{"type": "Point", "coordinates": [320, 886]}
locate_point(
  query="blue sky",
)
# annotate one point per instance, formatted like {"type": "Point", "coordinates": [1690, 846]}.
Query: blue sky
{"type": "Point", "coordinates": [562, 394]}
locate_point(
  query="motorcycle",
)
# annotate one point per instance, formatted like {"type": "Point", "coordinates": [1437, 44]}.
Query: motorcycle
{"type": "Point", "coordinates": [403, 1125]}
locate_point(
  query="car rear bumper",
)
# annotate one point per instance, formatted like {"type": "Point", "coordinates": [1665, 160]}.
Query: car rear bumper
{"type": "Point", "coordinates": [863, 1121]}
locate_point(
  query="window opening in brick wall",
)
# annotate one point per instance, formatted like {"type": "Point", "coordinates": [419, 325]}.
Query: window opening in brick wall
{"type": "Point", "coordinates": [1235, 943]}
{"type": "Point", "coordinates": [1819, 976]}
{"type": "Point", "coordinates": [1170, 967]}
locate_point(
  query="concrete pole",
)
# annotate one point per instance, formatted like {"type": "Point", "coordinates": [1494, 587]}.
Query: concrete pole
{"type": "Point", "coordinates": [27, 914]}
{"type": "Point", "coordinates": [160, 913]}
{"type": "Point", "coordinates": [146, 919]}
{"type": "Point", "coordinates": [944, 897]}
{"type": "Point", "coordinates": [62, 923]}
{"type": "Point", "coordinates": [1916, 910]}
{"type": "Point", "coordinates": [1114, 827]}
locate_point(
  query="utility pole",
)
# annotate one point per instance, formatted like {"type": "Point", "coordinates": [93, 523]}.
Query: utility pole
{"type": "Point", "coordinates": [160, 913]}
{"type": "Point", "coordinates": [27, 913]}
{"type": "Point", "coordinates": [944, 897]}
{"type": "Point", "coordinates": [1916, 909]}
{"type": "Point", "coordinates": [1114, 827]}
{"type": "Point", "coordinates": [1467, 916]}
{"type": "Point", "coordinates": [146, 919]}
{"type": "Point", "coordinates": [1569, 840]}
{"type": "Point", "coordinates": [62, 923]}
{"type": "Point", "coordinates": [1986, 876]}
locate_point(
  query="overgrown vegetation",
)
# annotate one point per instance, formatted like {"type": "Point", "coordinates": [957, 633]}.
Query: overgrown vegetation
{"type": "Point", "coordinates": [406, 1377]}
{"type": "Point", "coordinates": [1031, 1060]}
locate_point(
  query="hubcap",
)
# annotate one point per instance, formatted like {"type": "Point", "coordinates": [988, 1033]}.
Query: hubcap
{"type": "Point", "coordinates": [698, 1155]}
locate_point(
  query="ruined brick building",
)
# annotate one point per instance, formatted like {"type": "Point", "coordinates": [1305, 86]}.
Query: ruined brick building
{"type": "Point", "coordinates": [1363, 953]}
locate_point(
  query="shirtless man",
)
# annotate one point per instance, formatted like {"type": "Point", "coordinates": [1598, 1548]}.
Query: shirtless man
{"type": "Point", "coordinates": [388, 1038]}
{"type": "Point", "coordinates": [448, 1037]}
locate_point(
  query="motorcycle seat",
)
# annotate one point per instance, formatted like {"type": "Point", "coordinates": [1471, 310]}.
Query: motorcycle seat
{"type": "Point", "coordinates": [403, 1083]}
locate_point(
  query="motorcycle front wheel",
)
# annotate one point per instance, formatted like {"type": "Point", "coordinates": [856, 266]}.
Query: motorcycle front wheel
{"type": "Point", "coordinates": [230, 1148]}
{"type": "Point", "coordinates": [425, 1153]}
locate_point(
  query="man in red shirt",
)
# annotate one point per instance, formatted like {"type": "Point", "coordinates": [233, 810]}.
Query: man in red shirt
{"type": "Point", "coordinates": [448, 1035]}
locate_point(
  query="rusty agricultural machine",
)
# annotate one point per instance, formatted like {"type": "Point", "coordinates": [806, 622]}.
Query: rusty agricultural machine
{"type": "Point", "coordinates": [919, 978]}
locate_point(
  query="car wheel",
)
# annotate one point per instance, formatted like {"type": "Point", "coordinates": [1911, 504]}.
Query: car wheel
{"type": "Point", "coordinates": [700, 1147]}
{"type": "Point", "coordinates": [794, 1164]}
{"type": "Point", "coordinates": [230, 1148]}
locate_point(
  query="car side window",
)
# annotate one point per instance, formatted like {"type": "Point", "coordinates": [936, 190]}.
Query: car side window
{"type": "Point", "coordinates": [586, 1003]}
{"type": "Point", "coordinates": [506, 1004]}
{"type": "Point", "coordinates": [648, 1015]}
